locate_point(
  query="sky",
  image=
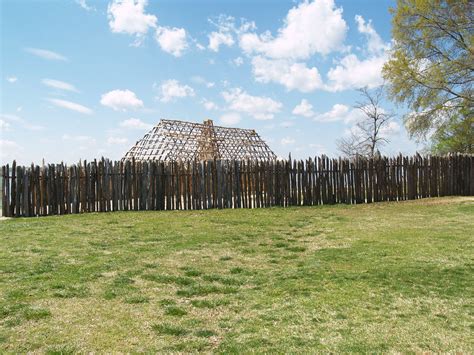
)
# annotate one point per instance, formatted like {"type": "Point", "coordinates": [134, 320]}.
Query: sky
{"type": "Point", "coordinates": [82, 79]}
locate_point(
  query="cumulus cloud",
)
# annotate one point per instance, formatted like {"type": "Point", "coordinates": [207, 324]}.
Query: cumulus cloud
{"type": "Point", "coordinates": [351, 72]}
{"type": "Point", "coordinates": [209, 105]}
{"type": "Point", "coordinates": [61, 85]}
{"type": "Point", "coordinates": [135, 123]}
{"type": "Point", "coordinates": [170, 90]}
{"type": "Point", "coordinates": [84, 5]}
{"type": "Point", "coordinates": [128, 16]}
{"type": "Point", "coordinates": [310, 27]}
{"type": "Point", "coordinates": [337, 113]}
{"type": "Point", "coordinates": [201, 81]}
{"type": "Point", "coordinates": [230, 118]}
{"type": "Point", "coordinates": [226, 31]}
{"type": "Point", "coordinates": [375, 44]}
{"type": "Point", "coordinates": [279, 58]}
{"type": "Point", "coordinates": [121, 100]}
{"type": "Point", "coordinates": [46, 54]}
{"type": "Point", "coordinates": [172, 40]}
{"type": "Point", "coordinates": [259, 107]}
{"type": "Point", "coordinates": [304, 108]}
{"type": "Point", "coordinates": [390, 129]}
{"type": "Point", "coordinates": [238, 61]}
{"type": "Point", "coordinates": [340, 112]}
{"type": "Point", "coordinates": [293, 76]}
{"type": "Point", "coordinates": [71, 106]}
{"type": "Point", "coordinates": [4, 125]}
{"type": "Point", "coordinates": [216, 39]}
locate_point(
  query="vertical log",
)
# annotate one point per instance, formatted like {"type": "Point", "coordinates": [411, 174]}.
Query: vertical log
{"type": "Point", "coordinates": [5, 195]}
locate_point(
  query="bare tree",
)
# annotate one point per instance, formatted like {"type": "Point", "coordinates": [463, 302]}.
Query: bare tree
{"type": "Point", "coordinates": [366, 137]}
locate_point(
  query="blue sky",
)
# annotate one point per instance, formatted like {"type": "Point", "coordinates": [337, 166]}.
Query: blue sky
{"type": "Point", "coordinates": [85, 79]}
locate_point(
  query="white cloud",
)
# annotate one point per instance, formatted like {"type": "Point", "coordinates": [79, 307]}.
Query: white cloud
{"type": "Point", "coordinates": [224, 35]}
{"type": "Point", "coordinates": [171, 90]}
{"type": "Point", "coordinates": [337, 113]}
{"type": "Point", "coordinates": [216, 39]}
{"type": "Point", "coordinates": [294, 76]}
{"type": "Point", "coordinates": [4, 125]}
{"type": "Point", "coordinates": [304, 108]}
{"type": "Point", "coordinates": [375, 44]}
{"type": "Point", "coordinates": [128, 16]}
{"type": "Point", "coordinates": [238, 61]}
{"type": "Point", "coordinates": [121, 100]}
{"type": "Point", "coordinates": [71, 106]}
{"type": "Point", "coordinates": [46, 54]}
{"type": "Point", "coordinates": [172, 40]}
{"type": "Point", "coordinates": [12, 79]}
{"type": "Point", "coordinates": [226, 30]}
{"type": "Point", "coordinates": [353, 73]}
{"type": "Point", "coordinates": [230, 119]}
{"type": "Point", "coordinates": [201, 81]}
{"type": "Point", "coordinates": [309, 28]}
{"type": "Point", "coordinates": [390, 129]}
{"type": "Point", "coordinates": [135, 123]}
{"type": "Point", "coordinates": [84, 5]}
{"type": "Point", "coordinates": [354, 115]}
{"type": "Point", "coordinates": [340, 113]}
{"type": "Point", "coordinates": [209, 105]}
{"type": "Point", "coordinates": [61, 85]}
{"type": "Point", "coordinates": [299, 38]}
{"type": "Point", "coordinates": [260, 107]}
{"type": "Point", "coordinates": [287, 141]}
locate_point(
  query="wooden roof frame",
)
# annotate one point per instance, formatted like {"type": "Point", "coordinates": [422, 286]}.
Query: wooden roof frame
{"type": "Point", "coordinates": [173, 140]}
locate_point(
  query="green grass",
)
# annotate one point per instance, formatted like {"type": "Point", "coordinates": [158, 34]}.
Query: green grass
{"type": "Point", "coordinates": [387, 277]}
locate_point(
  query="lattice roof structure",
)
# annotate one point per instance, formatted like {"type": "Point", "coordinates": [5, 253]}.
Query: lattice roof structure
{"type": "Point", "coordinates": [172, 140]}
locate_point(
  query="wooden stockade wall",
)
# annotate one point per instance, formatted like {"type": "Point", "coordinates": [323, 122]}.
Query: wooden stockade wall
{"type": "Point", "coordinates": [104, 185]}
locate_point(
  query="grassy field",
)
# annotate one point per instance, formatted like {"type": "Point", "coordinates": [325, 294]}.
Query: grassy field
{"type": "Point", "coordinates": [381, 277]}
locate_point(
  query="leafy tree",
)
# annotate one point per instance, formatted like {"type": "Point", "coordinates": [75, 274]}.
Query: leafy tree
{"type": "Point", "coordinates": [431, 68]}
{"type": "Point", "coordinates": [367, 136]}
{"type": "Point", "coordinates": [454, 135]}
